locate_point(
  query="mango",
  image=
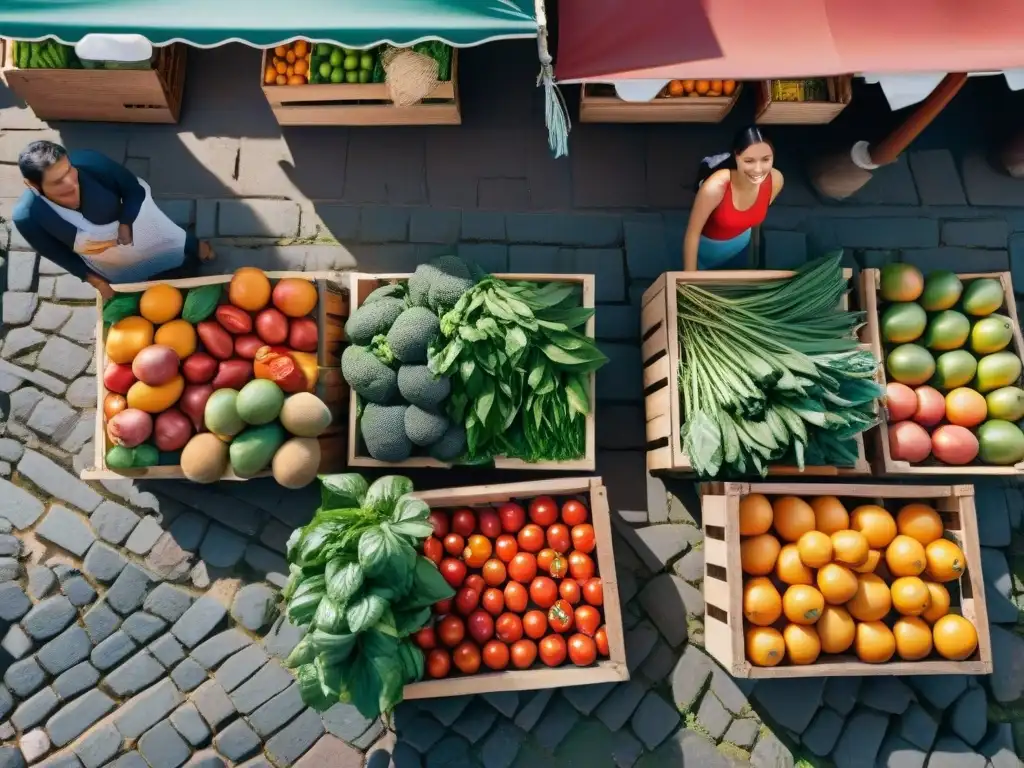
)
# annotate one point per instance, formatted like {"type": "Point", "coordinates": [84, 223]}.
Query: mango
{"type": "Point", "coordinates": [252, 451]}
{"type": "Point", "coordinates": [155, 399]}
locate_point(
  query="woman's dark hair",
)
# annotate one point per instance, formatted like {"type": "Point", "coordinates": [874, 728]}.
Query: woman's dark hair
{"type": "Point", "coordinates": [37, 157]}
{"type": "Point", "coordinates": [746, 138]}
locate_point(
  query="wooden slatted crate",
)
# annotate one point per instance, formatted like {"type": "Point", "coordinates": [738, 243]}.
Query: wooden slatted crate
{"type": "Point", "coordinates": [599, 104]}
{"type": "Point", "coordinates": [771, 112]}
{"type": "Point", "coordinates": [724, 629]}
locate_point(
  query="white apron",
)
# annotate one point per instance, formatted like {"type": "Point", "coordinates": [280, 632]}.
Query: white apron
{"type": "Point", "coordinates": [158, 244]}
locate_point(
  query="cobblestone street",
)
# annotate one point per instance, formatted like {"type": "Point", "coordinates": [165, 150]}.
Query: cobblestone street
{"type": "Point", "coordinates": [136, 619]}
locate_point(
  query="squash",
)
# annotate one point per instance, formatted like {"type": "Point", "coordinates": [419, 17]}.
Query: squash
{"type": "Point", "coordinates": [160, 303]}
{"type": "Point", "coordinates": [179, 335]}
{"type": "Point", "coordinates": [155, 399]}
{"type": "Point", "coordinates": [126, 338]}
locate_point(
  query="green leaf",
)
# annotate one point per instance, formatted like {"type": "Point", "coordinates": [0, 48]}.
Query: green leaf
{"type": "Point", "coordinates": [329, 616]}
{"type": "Point", "coordinates": [448, 357]}
{"type": "Point", "coordinates": [342, 491]}
{"type": "Point", "coordinates": [334, 646]}
{"type": "Point", "coordinates": [408, 622]}
{"type": "Point", "coordinates": [309, 688]}
{"type": "Point", "coordinates": [412, 661]}
{"type": "Point", "coordinates": [428, 587]}
{"type": "Point", "coordinates": [385, 493]}
{"type": "Point", "coordinates": [373, 551]}
{"type": "Point", "coordinates": [331, 677]}
{"type": "Point", "coordinates": [303, 653]}
{"type": "Point", "coordinates": [471, 334]}
{"type": "Point", "coordinates": [365, 686]}
{"type": "Point", "coordinates": [302, 608]}
{"type": "Point", "coordinates": [515, 341]}
{"type": "Point", "coordinates": [364, 612]}
{"type": "Point", "coordinates": [409, 508]}
{"type": "Point", "coordinates": [576, 394]}
{"type": "Point", "coordinates": [343, 580]}
{"type": "Point", "coordinates": [416, 530]}
{"type": "Point", "coordinates": [310, 551]}
{"type": "Point", "coordinates": [485, 401]}
{"type": "Point", "coordinates": [466, 368]}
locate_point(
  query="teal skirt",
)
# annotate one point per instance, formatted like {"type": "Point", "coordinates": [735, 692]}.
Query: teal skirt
{"type": "Point", "coordinates": [716, 254]}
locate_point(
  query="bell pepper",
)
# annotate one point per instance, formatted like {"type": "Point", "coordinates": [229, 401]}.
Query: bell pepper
{"type": "Point", "coordinates": [279, 366]}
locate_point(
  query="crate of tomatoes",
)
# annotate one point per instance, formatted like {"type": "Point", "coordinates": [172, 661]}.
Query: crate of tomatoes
{"type": "Point", "coordinates": [536, 602]}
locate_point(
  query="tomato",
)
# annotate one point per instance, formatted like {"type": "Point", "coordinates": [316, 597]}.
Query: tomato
{"type": "Point", "coordinates": [543, 511]}
{"type": "Point", "coordinates": [531, 538]}
{"type": "Point", "coordinates": [496, 655]}
{"type": "Point", "coordinates": [569, 591]}
{"type": "Point", "coordinates": [558, 567]}
{"type": "Point", "coordinates": [508, 628]}
{"type": "Point", "coordinates": [466, 600]}
{"type": "Point", "coordinates": [588, 618]}
{"type": "Point", "coordinates": [493, 601]}
{"type": "Point", "coordinates": [489, 523]}
{"type": "Point", "coordinates": [516, 597]}
{"type": "Point", "coordinates": [593, 591]}
{"type": "Point", "coordinates": [480, 626]}
{"type": "Point", "coordinates": [543, 592]}
{"type": "Point", "coordinates": [443, 607]}
{"type": "Point", "coordinates": [439, 519]}
{"type": "Point", "coordinates": [426, 639]}
{"type": "Point", "coordinates": [552, 650]}
{"type": "Point", "coordinates": [524, 653]}
{"type": "Point", "coordinates": [454, 545]}
{"type": "Point", "coordinates": [494, 572]}
{"type": "Point", "coordinates": [505, 547]}
{"type": "Point", "coordinates": [582, 650]}
{"type": "Point", "coordinates": [433, 550]}
{"type": "Point", "coordinates": [475, 581]}
{"type": "Point", "coordinates": [581, 567]}
{"type": "Point", "coordinates": [574, 512]}
{"type": "Point", "coordinates": [463, 522]}
{"type": "Point", "coordinates": [544, 558]}
{"type": "Point", "coordinates": [454, 572]}
{"type": "Point", "coordinates": [513, 517]}
{"type": "Point", "coordinates": [477, 551]}
{"type": "Point", "coordinates": [560, 616]}
{"type": "Point", "coordinates": [535, 624]}
{"type": "Point", "coordinates": [583, 537]}
{"type": "Point", "coordinates": [467, 658]}
{"type": "Point", "coordinates": [558, 538]}
{"type": "Point", "coordinates": [601, 640]}
{"type": "Point", "coordinates": [451, 631]}
{"type": "Point", "coordinates": [522, 568]}
{"type": "Point", "coordinates": [438, 663]}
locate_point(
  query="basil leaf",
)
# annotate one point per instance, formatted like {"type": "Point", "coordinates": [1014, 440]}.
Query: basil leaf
{"type": "Point", "coordinates": [385, 492]}
{"type": "Point", "coordinates": [409, 508]}
{"type": "Point", "coordinates": [428, 587]}
{"type": "Point", "coordinates": [329, 616]}
{"type": "Point", "coordinates": [303, 653]}
{"type": "Point", "coordinates": [412, 661]}
{"type": "Point", "coordinates": [410, 621]}
{"type": "Point", "coordinates": [310, 550]}
{"type": "Point", "coordinates": [335, 647]}
{"type": "Point", "coordinates": [310, 689]}
{"type": "Point", "coordinates": [576, 394]}
{"type": "Point", "coordinates": [302, 608]}
{"type": "Point", "coordinates": [515, 340]}
{"type": "Point", "coordinates": [364, 684]}
{"type": "Point", "coordinates": [485, 401]}
{"type": "Point", "coordinates": [365, 612]}
{"type": "Point", "coordinates": [373, 551]}
{"type": "Point", "coordinates": [345, 491]}
{"type": "Point", "coordinates": [331, 679]}
{"type": "Point", "coordinates": [293, 542]}
{"type": "Point", "coordinates": [392, 680]}
{"type": "Point", "coordinates": [343, 580]}
{"type": "Point", "coordinates": [414, 529]}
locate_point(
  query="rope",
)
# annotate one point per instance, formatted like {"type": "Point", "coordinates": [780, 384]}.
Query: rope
{"type": "Point", "coordinates": [556, 111]}
{"type": "Point", "coordinates": [410, 75]}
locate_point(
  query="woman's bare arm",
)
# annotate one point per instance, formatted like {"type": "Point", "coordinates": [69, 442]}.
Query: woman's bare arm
{"type": "Point", "coordinates": [777, 182]}
{"type": "Point", "coordinates": [709, 196]}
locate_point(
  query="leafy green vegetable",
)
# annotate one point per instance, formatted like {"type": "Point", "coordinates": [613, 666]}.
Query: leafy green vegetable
{"type": "Point", "coordinates": [121, 306]}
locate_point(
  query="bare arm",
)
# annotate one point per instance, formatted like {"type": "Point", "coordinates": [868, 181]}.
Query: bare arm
{"type": "Point", "coordinates": [777, 182]}
{"type": "Point", "coordinates": [708, 198]}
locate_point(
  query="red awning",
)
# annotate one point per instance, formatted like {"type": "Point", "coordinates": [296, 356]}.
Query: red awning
{"type": "Point", "coordinates": [607, 40]}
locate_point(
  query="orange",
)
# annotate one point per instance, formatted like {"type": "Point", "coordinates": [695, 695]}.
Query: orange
{"type": "Point", "coordinates": [688, 86]}
{"type": "Point", "coordinates": [301, 67]}
{"type": "Point", "coordinates": [955, 637]}
{"type": "Point", "coordinates": [765, 646]}
{"type": "Point", "coordinates": [910, 596]}
{"type": "Point", "coordinates": [281, 50]}
{"type": "Point", "coordinates": [289, 71]}
{"type": "Point", "coordinates": [270, 75]}
{"type": "Point", "coordinates": [179, 335]}
{"type": "Point", "coordinates": [281, 80]}
{"type": "Point", "coordinates": [802, 644]}
{"type": "Point", "coordinates": [755, 515]}
{"type": "Point", "coordinates": [160, 303]}
{"type": "Point", "coordinates": [675, 88]}
{"type": "Point", "coordinates": [944, 560]}
{"type": "Point", "coordinates": [836, 629]}
{"type": "Point", "coordinates": [290, 57]}
{"type": "Point", "coordinates": [850, 547]}
{"type": "Point", "coordinates": [728, 87]}
{"type": "Point", "coordinates": [762, 604]}
{"type": "Point", "coordinates": [789, 568]}
{"type": "Point", "coordinates": [905, 556]}
{"type": "Point", "coordinates": [837, 583]}
{"type": "Point", "coordinates": [869, 565]}
{"type": "Point", "coordinates": [829, 514]}
{"type": "Point", "coordinates": [281, 66]}
{"type": "Point", "coordinates": [874, 642]}
{"type": "Point", "coordinates": [296, 80]}
{"type": "Point", "coordinates": [913, 638]}
{"type": "Point", "coordinates": [793, 517]}
{"type": "Point", "coordinates": [966, 407]}
{"type": "Point", "coordinates": [716, 85]}
{"type": "Point", "coordinates": [694, 93]}
{"type": "Point", "coordinates": [875, 523]}
{"type": "Point", "coordinates": [938, 602]}
{"type": "Point", "coordinates": [249, 289]}
{"type": "Point", "coordinates": [702, 86]}
{"type": "Point", "coordinates": [758, 554]}
{"type": "Point", "coordinates": [921, 522]}
{"type": "Point", "coordinates": [872, 600]}
{"type": "Point", "coordinates": [815, 549]}
{"type": "Point", "coordinates": [301, 47]}
{"type": "Point", "coordinates": [802, 604]}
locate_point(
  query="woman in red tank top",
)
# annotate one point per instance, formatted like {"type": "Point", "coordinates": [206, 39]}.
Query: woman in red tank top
{"type": "Point", "coordinates": [733, 194]}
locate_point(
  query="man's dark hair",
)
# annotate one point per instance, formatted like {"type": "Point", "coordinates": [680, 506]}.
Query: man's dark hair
{"type": "Point", "coordinates": [37, 157]}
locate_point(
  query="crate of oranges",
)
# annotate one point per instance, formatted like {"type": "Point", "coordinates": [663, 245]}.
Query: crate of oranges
{"type": "Point", "coordinates": [814, 580]}
{"type": "Point", "coordinates": [536, 602]}
{"type": "Point", "coordinates": [288, 64]}
{"type": "Point", "coordinates": [680, 101]}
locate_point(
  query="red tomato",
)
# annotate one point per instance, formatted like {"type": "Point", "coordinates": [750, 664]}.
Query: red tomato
{"type": "Point", "coordinates": [581, 567]}
{"type": "Point", "coordinates": [560, 616]}
{"type": "Point", "coordinates": [463, 522]}
{"type": "Point", "coordinates": [543, 592]}
{"type": "Point", "coordinates": [443, 607]}
{"type": "Point", "coordinates": [574, 512]}
{"type": "Point", "coordinates": [513, 517]}
{"type": "Point", "coordinates": [454, 572]}
{"type": "Point", "coordinates": [587, 619]}
{"type": "Point", "coordinates": [583, 537]}
{"type": "Point", "coordinates": [524, 653]}
{"type": "Point", "coordinates": [552, 650]}
{"type": "Point", "coordinates": [478, 550]}
{"type": "Point", "coordinates": [454, 545]}
{"type": "Point", "coordinates": [480, 626]}
{"type": "Point", "coordinates": [439, 519]}
{"type": "Point", "coordinates": [569, 591]}
{"type": "Point", "coordinates": [426, 639]}
{"type": "Point", "coordinates": [496, 655]}
{"type": "Point", "coordinates": [582, 650]}
{"type": "Point", "coordinates": [544, 558]}
{"type": "Point", "coordinates": [505, 547]}
{"type": "Point", "coordinates": [523, 567]}
{"type": "Point", "coordinates": [466, 600]}
{"type": "Point", "coordinates": [593, 591]}
{"type": "Point", "coordinates": [601, 640]}
{"type": "Point", "coordinates": [508, 628]}
{"type": "Point", "coordinates": [531, 538]}
{"type": "Point", "coordinates": [433, 550]}
{"type": "Point", "coordinates": [535, 624]}
{"type": "Point", "coordinates": [438, 663]}
{"type": "Point", "coordinates": [516, 597]}
{"type": "Point", "coordinates": [558, 567]}
{"type": "Point", "coordinates": [494, 572]}
{"type": "Point", "coordinates": [493, 601]}
{"type": "Point", "coordinates": [558, 538]}
{"type": "Point", "coordinates": [543, 511]}
{"type": "Point", "coordinates": [475, 581]}
{"type": "Point", "coordinates": [489, 523]}
{"type": "Point", "coordinates": [467, 658]}
{"type": "Point", "coordinates": [451, 631]}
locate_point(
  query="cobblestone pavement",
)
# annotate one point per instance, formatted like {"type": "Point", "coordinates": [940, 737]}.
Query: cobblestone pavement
{"type": "Point", "coordinates": [134, 617]}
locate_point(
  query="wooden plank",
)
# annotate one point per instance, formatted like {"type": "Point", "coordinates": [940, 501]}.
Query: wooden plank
{"type": "Point", "coordinates": [612, 109]}
{"type": "Point", "coordinates": [771, 112]}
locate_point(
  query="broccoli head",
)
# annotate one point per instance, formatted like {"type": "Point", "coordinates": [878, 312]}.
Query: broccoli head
{"type": "Point", "coordinates": [412, 333]}
{"type": "Point", "coordinates": [450, 280]}
{"type": "Point", "coordinates": [451, 445]}
{"type": "Point", "coordinates": [419, 386]}
{"type": "Point", "coordinates": [419, 284]}
{"type": "Point", "coordinates": [383, 431]}
{"type": "Point", "coordinates": [424, 427]}
{"type": "Point", "coordinates": [391, 290]}
{"type": "Point", "coordinates": [373, 319]}
{"type": "Point", "coordinates": [370, 378]}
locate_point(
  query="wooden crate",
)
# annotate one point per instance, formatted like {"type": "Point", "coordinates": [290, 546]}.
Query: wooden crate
{"type": "Point", "coordinates": [723, 576]}
{"type": "Point", "coordinates": [597, 106]}
{"type": "Point", "coordinates": [331, 387]}
{"type": "Point", "coordinates": [362, 284]}
{"type": "Point", "coordinates": [103, 95]}
{"type": "Point", "coordinates": [885, 464]}
{"type": "Point", "coordinates": [361, 103]}
{"type": "Point", "coordinates": [660, 355]}
{"type": "Point", "coordinates": [769, 112]}
{"type": "Point", "coordinates": [610, 670]}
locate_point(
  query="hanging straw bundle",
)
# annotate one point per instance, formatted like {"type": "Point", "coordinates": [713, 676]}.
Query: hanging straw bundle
{"type": "Point", "coordinates": [410, 75]}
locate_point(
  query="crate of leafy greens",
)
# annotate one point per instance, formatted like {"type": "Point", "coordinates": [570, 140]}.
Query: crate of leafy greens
{"type": "Point", "coordinates": [450, 365]}
{"type": "Point", "coordinates": [757, 372]}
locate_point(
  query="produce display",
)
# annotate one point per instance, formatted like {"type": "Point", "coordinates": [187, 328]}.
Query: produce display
{"type": "Point", "coordinates": [303, 62]}
{"type": "Point", "coordinates": [954, 391]}
{"type": "Point", "coordinates": [467, 369]}
{"type": "Point", "coordinates": [696, 88]}
{"type": "Point", "coordinates": [48, 54]}
{"type": "Point", "coordinates": [822, 580]}
{"type": "Point", "coordinates": [800, 90]}
{"type": "Point", "coordinates": [772, 372]}
{"type": "Point", "coordinates": [211, 379]}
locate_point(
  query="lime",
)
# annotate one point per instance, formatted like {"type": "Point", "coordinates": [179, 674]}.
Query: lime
{"type": "Point", "coordinates": [325, 70]}
{"type": "Point", "coordinates": [352, 76]}
{"type": "Point", "coordinates": [351, 62]}
{"type": "Point", "coordinates": [323, 49]}
{"type": "Point", "coordinates": [364, 75]}
{"type": "Point", "coordinates": [366, 61]}
{"type": "Point", "coordinates": [337, 75]}
{"type": "Point", "coordinates": [337, 57]}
